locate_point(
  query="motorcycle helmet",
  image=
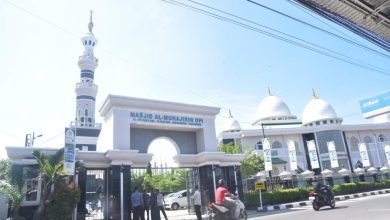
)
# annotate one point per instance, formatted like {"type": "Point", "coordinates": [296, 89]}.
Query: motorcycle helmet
{"type": "Point", "coordinates": [221, 182]}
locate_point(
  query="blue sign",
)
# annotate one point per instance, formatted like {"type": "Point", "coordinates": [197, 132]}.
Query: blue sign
{"type": "Point", "coordinates": [165, 119]}
{"type": "Point", "coordinates": [69, 151]}
{"type": "Point", "coordinates": [376, 105]}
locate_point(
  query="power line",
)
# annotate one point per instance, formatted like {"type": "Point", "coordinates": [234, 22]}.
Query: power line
{"type": "Point", "coordinates": [243, 25]}
{"type": "Point", "coordinates": [280, 32]}
{"type": "Point", "coordinates": [320, 29]}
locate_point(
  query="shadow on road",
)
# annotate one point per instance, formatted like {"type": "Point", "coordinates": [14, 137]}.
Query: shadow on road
{"type": "Point", "coordinates": [337, 207]}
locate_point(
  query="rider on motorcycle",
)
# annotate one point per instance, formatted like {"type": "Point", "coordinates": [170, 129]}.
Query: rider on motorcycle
{"type": "Point", "coordinates": [319, 188]}
{"type": "Point", "coordinates": [224, 197]}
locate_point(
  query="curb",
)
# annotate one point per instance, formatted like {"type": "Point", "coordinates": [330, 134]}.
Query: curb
{"type": "Point", "coordinates": [307, 203]}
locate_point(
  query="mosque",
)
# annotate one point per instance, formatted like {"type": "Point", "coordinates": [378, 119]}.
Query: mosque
{"type": "Point", "coordinates": [291, 140]}
{"type": "Point", "coordinates": [111, 150]}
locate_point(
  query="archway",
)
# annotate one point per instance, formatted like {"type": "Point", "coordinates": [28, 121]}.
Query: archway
{"type": "Point", "coordinates": [164, 150]}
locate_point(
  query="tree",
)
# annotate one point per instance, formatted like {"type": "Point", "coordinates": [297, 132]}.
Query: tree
{"type": "Point", "coordinates": [11, 185]}
{"type": "Point", "coordinates": [51, 170]}
{"type": "Point", "coordinates": [230, 148]}
{"type": "Point", "coordinates": [251, 164]}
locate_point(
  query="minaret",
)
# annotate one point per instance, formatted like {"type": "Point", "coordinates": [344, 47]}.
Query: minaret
{"type": "Point", "coordinates": [87, 131]}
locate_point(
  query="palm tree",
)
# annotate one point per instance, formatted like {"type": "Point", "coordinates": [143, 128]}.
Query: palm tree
{"type": "Point", "coordinates": [11, 184]}
{"type": "Point", "coordinates": [51, 170]}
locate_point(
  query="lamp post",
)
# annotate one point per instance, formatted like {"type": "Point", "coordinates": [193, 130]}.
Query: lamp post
{"type": "Point", "coordinates": [29, 141]}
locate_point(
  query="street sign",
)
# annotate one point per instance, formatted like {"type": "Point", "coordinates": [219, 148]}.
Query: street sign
{"type": "Point", "coordinates": [259, 185]}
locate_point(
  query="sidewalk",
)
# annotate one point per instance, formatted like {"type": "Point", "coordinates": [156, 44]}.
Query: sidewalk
{"type": "Point", "coordinates": [306, 203]}
{"type": "Point", "coordinates": [253, 213]}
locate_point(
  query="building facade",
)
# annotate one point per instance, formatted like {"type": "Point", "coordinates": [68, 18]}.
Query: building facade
{"type": "Point", "coordinates": [319, 123]}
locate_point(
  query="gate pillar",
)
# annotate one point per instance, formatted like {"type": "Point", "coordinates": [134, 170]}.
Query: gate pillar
{"type": "Point", "coordinates": [114, 192]}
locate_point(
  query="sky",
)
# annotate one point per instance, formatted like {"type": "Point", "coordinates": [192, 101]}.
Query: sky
{"type": "Point", "coordinates": [157, 50]}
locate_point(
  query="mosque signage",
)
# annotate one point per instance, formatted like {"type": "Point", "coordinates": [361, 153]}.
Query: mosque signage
{"type": "Point", "coordinates": [364, 154]}
{"type": "Point", "coordinates": [69, 151]}
{"type": "Point", "coordinates": [267, 155]}
{"type": "Point", "coordinates": [165, 119]}
{"type": "Point", "coordinates": [332, 154]}
{"type": "Point", "coordinates": [292, 155]}
{"type": "Point", "coordinates": [387, 152]}
{"type": "Point", "coordinates": [313, 154]}
{"type": "Point", "coordinates": [376, 105]}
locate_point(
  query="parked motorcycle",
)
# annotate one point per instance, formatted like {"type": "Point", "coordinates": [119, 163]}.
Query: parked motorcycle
{"type": "Point", "coordinates": [219, 212]}
{"type": "Point", "coordinates": [324, 198]}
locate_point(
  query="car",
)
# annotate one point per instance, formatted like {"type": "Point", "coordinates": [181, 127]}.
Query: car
{"type": "Point", "coordinates": [176, 200]}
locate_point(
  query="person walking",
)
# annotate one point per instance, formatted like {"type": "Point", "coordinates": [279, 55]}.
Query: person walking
{"type": "Point", "coordinates": [154, 210]}
{"type": "Point", "coordinates": [160, 203]}
{"type": "Point", "coordinates": [197, 203]}
{"type": "Point", "coordinates": [137, 204]}
{"type": "Point", "coordinates": [146, 198]}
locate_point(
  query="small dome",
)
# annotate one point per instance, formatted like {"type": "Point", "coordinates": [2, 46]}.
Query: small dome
{"type": "Point", "coordinates": [318, 110]}
{"type": "Point", "coordinates": [231, 124]}
{"type": "Point", "coordinates": [272, 108]}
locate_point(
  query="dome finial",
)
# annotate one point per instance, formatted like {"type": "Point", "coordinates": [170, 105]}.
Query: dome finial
{"type": "Point", "coordinates": [314, 95]}
{"type": "Point", "coordinates": [230, 114]}
{"type": "Point", "coordinates": [90, 25]}
{"type": "Point", "coordinates": [269, 91]}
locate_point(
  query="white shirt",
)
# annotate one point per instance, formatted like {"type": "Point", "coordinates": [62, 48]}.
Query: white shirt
{"type": "Point", "coordinates": [196, 198]}
{"type": "Point", "coordinates": [160, 200]}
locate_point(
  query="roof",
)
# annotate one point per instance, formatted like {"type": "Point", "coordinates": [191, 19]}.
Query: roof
{"type": "Point", "coordinates": [367, 18]}
{"type": "Point", "coordinates": [277, 160]}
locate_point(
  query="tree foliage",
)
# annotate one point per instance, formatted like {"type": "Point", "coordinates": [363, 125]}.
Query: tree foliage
{"type": "Point", "coordinates": [230, 148]}
{"type": "Point", "coordinates": [166, 182]}
{"type": "Point", "coordinates": [51, 171]}
{"type": "Point", "coordinates": [11, 185]}
{"type": "Point", "coordinates": [251, 164]}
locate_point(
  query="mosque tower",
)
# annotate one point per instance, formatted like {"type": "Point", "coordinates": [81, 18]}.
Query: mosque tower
{"type": "Point", "coordinates": [87, 131]}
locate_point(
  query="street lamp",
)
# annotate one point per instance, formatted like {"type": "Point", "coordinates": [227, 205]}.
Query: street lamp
{"type": "Point", "coordinates": [29, 141]}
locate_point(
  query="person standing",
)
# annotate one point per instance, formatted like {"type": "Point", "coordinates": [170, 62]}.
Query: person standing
{"type": "Point", "coordinates": [197, 203]}
{"type": "Point", "coordinates": [154, 211]}
{"type": "Point", "coordinates": [146, 197]}
{"type": "Point", "coordinates": [137, 204]}
{"type": "Point", "coordinates": [160, 203]}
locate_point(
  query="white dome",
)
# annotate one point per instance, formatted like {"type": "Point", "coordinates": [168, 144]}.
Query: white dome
{"type": "Point", "coordinates": [273, 108]}
{"type": "Point", "coordinates": [318, 110]}
{"type": "Point", "coordinates": [231, 124]}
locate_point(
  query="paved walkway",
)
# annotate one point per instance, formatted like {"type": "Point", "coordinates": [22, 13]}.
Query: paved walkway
{"type": "Point", "coordinates": [183, 214]}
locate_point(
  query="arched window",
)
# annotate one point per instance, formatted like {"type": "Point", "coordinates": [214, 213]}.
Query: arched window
{"type": "Point", "coordinates": [259, 146]}
{"type": "Point", "coordinates": [381, 138]}
{"type": "Point", "coordinates": [368, 140]}
{"type": "Point", "coordinates": [354, 144]}
{"type": "Point", "coordinates": [277, 145]}
{"type": "Point", "coordinates": [86, 112]}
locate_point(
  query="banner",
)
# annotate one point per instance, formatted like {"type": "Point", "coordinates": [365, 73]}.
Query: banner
{"type": "Point", "coordinates": [69, 151]}
{"type": "Point", "coordinates": [332, 154]}
{"type": "Point", "coordinates": [293, 155]}
{"type": "Point", "coordinates": [364, 154]}
{"type": "Point", "coordinates": [387, 152]}
{"type": "Point", "coordinates": [267, 155]}
{"type": "Point", "coordinates": [313, 154]}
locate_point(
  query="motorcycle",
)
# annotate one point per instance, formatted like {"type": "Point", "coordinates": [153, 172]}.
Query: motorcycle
{"type": "Point", "coordinates": [219, 212]}
{"type": "Point", "coordinates": [325, 198]}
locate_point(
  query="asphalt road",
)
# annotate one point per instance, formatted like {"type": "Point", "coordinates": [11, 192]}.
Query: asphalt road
{"type": "Point", "coordinates": [366, 208]}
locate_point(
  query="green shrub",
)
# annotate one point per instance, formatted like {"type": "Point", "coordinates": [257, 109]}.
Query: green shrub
{"type": "Point", "coordinates": [281, 196]}
{"type": "Point", "coordinates": [345, 188]}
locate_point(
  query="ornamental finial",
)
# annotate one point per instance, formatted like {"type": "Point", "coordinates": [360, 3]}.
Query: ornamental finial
{"type": "Point", "coordinates": [230, 114]}
{"type": "Point", "coordinates": [90, 25]}
{"type": "Point", "coordinates": [269, 91]}
{"type": "Point", "coordinates": [314, 95]}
